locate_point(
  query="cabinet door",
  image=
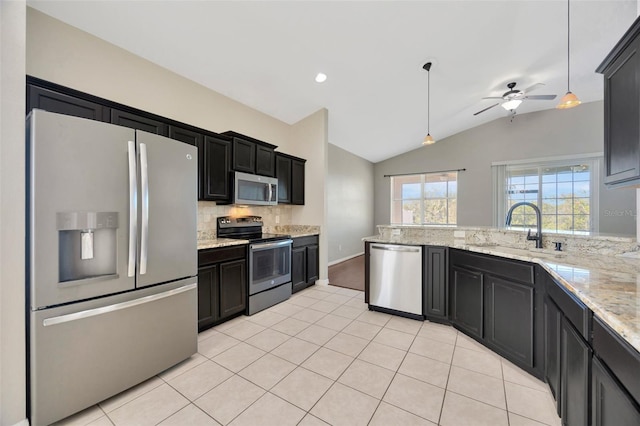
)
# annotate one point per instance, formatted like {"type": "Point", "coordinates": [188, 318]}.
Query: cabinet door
{"type": "Point", "coordinates": [552, 330]}
{"type": "Point", "coordinates": [265, 161]}
{"type": "Point", "coordinates": [283, 173]}
{"type": "Point", "coordinates": [297, 182]}
{"type": "Point", "coordinates": [216, 185]}
{"type": "Point", "coordinates": [313, 260]}
{"type": "Point", "coordinates": [192, 138]}
{"type": "Point", "coordinates": [575, 376]}
{"type": "Point", "coordinates": [138, 122]}
{"type": "Point", "coordinates": [610, 403]}
{"type": "Point", "coordinates": [51, 101]}
{"type": "Point", "coordinates": [508, 319]}
{"type": "Point", "coordinates": [208, 299]}
{"type": "Point", "coordinates": [435, 295]}
{"type": "Point", "coordinates": [244, 156]}
{"type": "Point", "coordinates": [622, 117]}
{"type": "Point", "coordinates": [298, 268]}
{"type": "Point", "coordinates": [466, 292]}
{"type": "Point", "coordinates": [233, 287]}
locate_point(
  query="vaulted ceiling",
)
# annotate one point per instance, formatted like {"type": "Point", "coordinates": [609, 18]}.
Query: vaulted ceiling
{"type": "Point", "coordinates": [266, 54]}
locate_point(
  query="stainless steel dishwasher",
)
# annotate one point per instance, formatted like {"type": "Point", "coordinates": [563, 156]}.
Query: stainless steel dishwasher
{"type": "Point", "coordinates": [395, 277]}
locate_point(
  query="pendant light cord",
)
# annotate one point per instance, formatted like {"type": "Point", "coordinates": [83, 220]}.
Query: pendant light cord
{"type": "Point", "coordinates": [568, 53]}
{"type": "Point", "coordinates": [428, 101]}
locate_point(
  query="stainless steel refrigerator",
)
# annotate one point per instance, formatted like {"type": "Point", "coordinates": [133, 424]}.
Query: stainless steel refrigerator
{"type": "Point", "coordinates": [111, 261]}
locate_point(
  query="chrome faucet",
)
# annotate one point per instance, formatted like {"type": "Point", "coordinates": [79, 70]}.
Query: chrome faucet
{"type": "Point", "coordinates": [538, 236]}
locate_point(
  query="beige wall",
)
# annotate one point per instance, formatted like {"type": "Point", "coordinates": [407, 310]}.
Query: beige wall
{"type": "Point", "coordinates": [12, 195]}
{"type": "Point", "coordinates": [535, 135]}
{"type": "Point", "coordinates": [349, 202]}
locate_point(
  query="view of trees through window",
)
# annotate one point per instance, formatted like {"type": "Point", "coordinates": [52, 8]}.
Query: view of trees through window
{"type": "Point", "coordinates": [429, 198]}
{"type": "Point", "coordinates": [562, 193]}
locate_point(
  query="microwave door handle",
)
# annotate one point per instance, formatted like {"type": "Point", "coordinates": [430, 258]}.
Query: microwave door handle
{"type": "Point", "coordinates": [133, 209]}
{"type": "Point", "coordinates": [270, 192]}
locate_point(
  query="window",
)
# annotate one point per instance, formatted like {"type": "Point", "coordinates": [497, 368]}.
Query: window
{"type": "Point", "coordinates": [424, 199]}
{"type": "Point", "coordinates": [564, 190]}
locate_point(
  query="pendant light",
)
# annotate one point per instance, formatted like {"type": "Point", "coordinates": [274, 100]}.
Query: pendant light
{"type": "Point", "coordinates": [569, 100]}
{"type": "Point", "coordinates": [428, 140]}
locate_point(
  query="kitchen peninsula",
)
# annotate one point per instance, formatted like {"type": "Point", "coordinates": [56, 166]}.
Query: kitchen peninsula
{"type": "Point", "coordinates": [579, 309]}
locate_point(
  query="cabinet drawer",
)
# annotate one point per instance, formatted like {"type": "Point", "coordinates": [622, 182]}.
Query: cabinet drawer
{"type": "Point", "coordinates": [619, 356]}
{"type": "Point", "coordinates": [208, 256]}
{"type": "Point", "coordinates": [511, 269]}
{"type": "Point", "coordinates": [305, 241]}
{"type": "Point", "coordinates": [577, 313]}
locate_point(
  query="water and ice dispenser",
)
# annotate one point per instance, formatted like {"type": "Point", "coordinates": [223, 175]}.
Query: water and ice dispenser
{"type": "Point", "coordinates": [87, 245]}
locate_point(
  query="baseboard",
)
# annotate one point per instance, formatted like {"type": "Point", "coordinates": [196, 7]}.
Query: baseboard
{"type": "Point", "coordinates": [24, 422]}
{"type": "Point", "coordinates": [344, 259]}
{"type": "Point", "coordinates": [322, 282]}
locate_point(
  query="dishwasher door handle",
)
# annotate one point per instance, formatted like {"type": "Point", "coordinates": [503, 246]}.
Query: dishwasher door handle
{"type": "Point", "coordinates": [407, 249]}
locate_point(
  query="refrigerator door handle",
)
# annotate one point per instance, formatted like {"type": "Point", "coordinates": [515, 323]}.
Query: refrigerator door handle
{"type": "Point", "coordinates": [144, 233]}
{"type": "Point", "coordinates": [133, 209]}
{"type": "Point", "coordinates": [117, 307]}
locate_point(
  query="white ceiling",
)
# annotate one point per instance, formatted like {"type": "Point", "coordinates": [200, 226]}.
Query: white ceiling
{"type": "Point", "coordinates": [266, 54]}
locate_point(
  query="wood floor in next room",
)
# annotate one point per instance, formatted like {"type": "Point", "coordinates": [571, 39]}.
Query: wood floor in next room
{"type": "Point", "coordinates": [348, 274]}
{"type": "Point", "coordinates": [323, 358]}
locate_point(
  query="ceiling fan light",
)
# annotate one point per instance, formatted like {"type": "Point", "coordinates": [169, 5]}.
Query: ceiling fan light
{"type": "Point", "coordinates": [512, 104]}
{"type": "Point", "coordinates": [569, 100]}
{"type": "Point", "coordinates": [428, 140]}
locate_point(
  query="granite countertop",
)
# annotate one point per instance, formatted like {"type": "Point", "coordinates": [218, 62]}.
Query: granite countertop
{"type": "Point", "coordinates": [208, 241]}
{"type": "Point", "coordinates": [609, 285]}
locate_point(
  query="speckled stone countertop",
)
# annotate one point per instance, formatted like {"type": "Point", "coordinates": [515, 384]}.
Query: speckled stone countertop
{"type": "Point", "coordinates": [609, 284]}
{"type": "Point", "coordinates": [208, 240]}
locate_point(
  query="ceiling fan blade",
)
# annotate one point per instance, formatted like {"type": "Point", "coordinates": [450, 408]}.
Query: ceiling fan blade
{"type": "Point", "coordinates": [533, 87]}
{"type": "Point", "coordinates": [541, 97]}
{"type": "Point", "coordinates": [493, 97]}
{"type": "Point", "coordinates": [487, 108]}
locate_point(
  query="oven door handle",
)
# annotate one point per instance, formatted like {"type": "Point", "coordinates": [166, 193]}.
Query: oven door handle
{"type": "Point", "coordinates": [267, 246]}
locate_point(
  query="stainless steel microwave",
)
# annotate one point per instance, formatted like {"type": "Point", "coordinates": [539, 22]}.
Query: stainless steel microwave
{"type": "Point", "coordinates": [254, 189]}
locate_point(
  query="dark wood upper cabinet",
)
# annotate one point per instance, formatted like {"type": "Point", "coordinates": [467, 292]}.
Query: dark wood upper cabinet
{"type": "Point", "coordinates": [139, 122]}
{"type": "Point", "coordinates": [265, 161]}
{"type": "Point", "coordinates": [251, 155]}
{"type": "Point", "coordinates": [621, 70]}
{"type": "Point", "coordinates": [61, 103]}
{"type": "Point", "coordinates": [216, 171]}
{"type": "Point", "coordinates": [290, 172]}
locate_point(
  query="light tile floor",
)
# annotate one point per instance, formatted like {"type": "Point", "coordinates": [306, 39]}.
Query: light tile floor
{"type": "Point", "coordinates": [322, 358]}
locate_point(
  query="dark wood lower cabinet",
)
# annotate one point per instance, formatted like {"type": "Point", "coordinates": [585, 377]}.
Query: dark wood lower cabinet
{"type": "Point", "coordinates": [610, 404]}
{"type": "Point", "coordinates": [467, 301]}
{"type": "Point", "coordinates": [508, 319]}
{"type": "Point", "coordinates": [552, 328]}
{"type": "Point", "coordinates": [304, 262]}
{"type": "Point", "coordinates": [298, 269]}
{"type": "Point", "coordinates": [222, 285]}
{"type": "Point", "coordinates": [575, 367]}
{"type": "Point", "coordinates": [435, 283]}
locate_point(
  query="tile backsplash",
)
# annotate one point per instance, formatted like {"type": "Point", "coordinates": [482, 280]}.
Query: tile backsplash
{"type": "Point", "coordinates": [208, 211]}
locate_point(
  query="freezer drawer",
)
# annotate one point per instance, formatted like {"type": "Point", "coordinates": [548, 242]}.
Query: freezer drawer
{"type": "Point", "coordinates": [84, 353]}
{"type": "Point", "coordinates": [395, 273]}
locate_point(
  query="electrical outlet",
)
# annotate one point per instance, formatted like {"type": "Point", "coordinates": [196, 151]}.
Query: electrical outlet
{"type": "Point", "coordinates": [277, 219]}
{"type": "Point", "coordinates": [395, 232]}
{"type": "Point", "coordinates": [339, 247]}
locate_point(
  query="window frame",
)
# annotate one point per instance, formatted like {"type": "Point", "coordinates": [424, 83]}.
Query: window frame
{"type": "Point", "coordinates": [499, 174]}
{"type": "Point", "coordinates": [423, 198]}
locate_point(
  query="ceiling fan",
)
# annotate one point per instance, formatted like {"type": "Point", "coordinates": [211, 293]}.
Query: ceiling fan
{"type": "Point", "coordinates": [514, 97]}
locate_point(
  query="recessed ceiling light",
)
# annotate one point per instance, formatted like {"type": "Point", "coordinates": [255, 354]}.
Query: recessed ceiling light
{"type": "Point", "coordinates": [321, 78]}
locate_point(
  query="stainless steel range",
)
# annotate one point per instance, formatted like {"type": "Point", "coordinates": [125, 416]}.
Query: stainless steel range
{"type": "Point", "coordinates": [269, 260]}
